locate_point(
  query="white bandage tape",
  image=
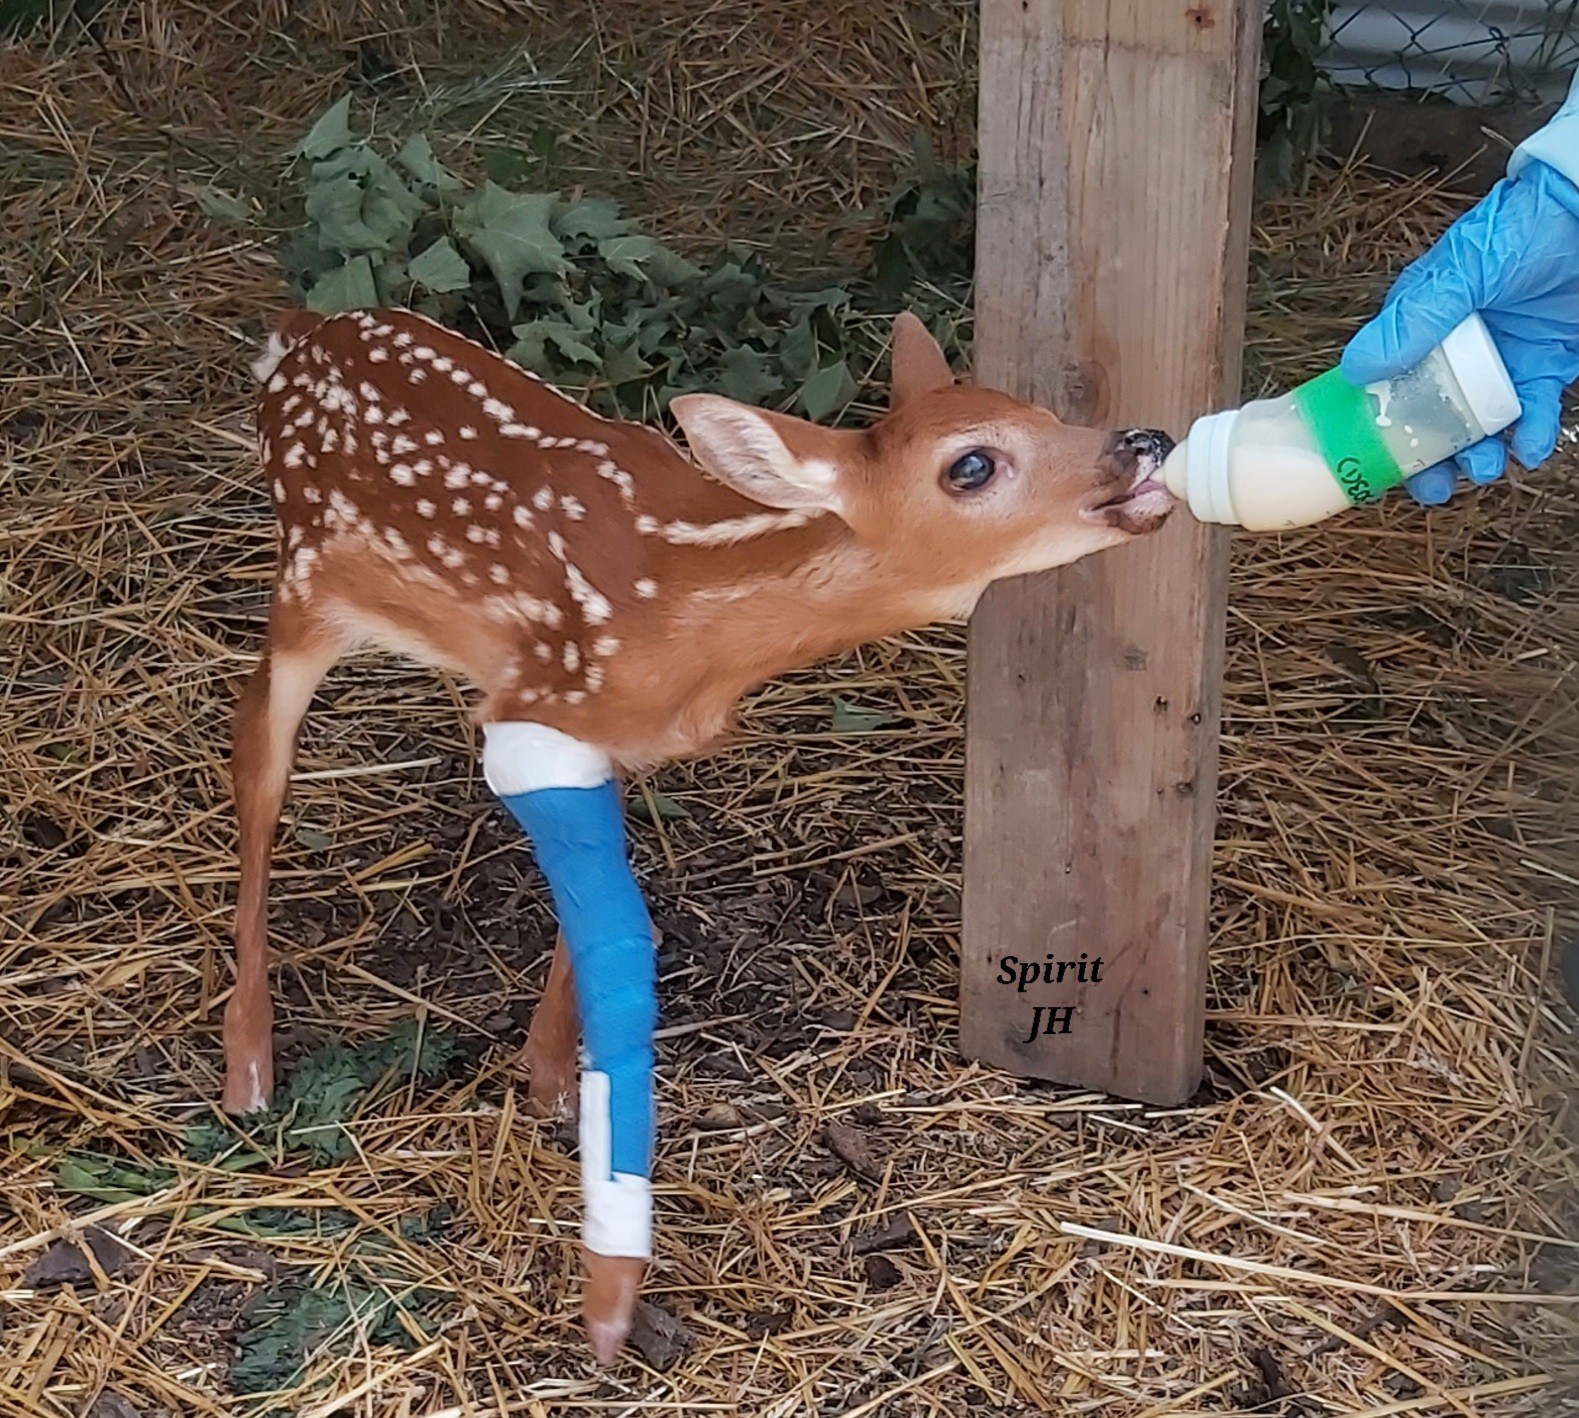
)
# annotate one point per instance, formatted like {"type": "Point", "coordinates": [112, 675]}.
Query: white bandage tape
{"type": "Point", "coordinates": [520, 757]}
{"type": "Point", "coordinates": [618, 1219]}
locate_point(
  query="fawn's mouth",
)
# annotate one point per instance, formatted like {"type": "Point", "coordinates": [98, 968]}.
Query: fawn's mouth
{"type": "Point", "coordinates": [1135, 459]}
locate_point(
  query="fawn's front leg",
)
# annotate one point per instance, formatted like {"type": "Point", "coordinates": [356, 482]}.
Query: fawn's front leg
{"type": "Point", "coordinates": [563, 794]}
{"type": "Point", "coordinates": [296, 657]}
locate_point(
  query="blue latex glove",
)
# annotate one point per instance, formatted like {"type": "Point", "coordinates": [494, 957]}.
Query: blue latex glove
{"type": "Point", "coordinates": [1515, 259]}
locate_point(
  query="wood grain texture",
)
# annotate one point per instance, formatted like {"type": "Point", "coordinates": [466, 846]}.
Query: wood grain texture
{"type": "Point", "coordinates": [1116, 150]}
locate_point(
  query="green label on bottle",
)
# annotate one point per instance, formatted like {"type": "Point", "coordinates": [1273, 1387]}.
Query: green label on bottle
{"type": "Point", "coordinates": [1344, 428]}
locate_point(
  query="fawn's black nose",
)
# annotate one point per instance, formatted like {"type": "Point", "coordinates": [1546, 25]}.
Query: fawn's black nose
{"type": "Point", "coordinates": [1147, 443]}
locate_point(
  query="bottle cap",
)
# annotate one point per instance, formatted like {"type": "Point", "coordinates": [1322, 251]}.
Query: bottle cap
{"type": "Point", "coordinates": [1197, 469]}
{"type": "Point", "coordinates": [1482, 377]}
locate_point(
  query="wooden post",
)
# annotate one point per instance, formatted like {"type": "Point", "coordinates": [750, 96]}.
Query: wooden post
{"type": "Point", "coordinates": [1116, 151]}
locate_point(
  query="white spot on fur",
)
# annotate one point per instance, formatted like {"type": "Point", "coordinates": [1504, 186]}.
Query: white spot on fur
{"type": "Point", "coordinates": [402, 444]}
{"type": "Point", "coordinates": [518, 430]}
{"type": "Point", "coordinates": [279, 490]}
{"type": "Point", "coordinates": [735, 529]}
{"type": "Point", "coordinates": [522, 515]}
{"type": "Point", "coordinates": [499, 575]}
{"type": "Point", "coordinates": [498, 411]}
{"type": "Point", "coordinates": [433, 438]}
{"type": "Point", "coordinates": [402, 474]}
{"type": "Point", "coordinates": [377, 355]}
{"type": "Point", "coordinates": [572, 656]}
{"type": "Point", "coordinates": [595, 608]}
{"type": "Point", "coordinates": [474, 533]}
{"type": "Point", "coordinates": [646, 588]}
{"type": "Point", "coordinates": [295, 455]}
{"type": "Point", "coordinates": [543, 499]}
{"type": "Point", "coordinates": [572, 508]}
{"type": "Point", "coordinates": [467, 431]}
{"type": "Point", "coordinates": [605, 645]}
{"type": "Point", "coordinates": [426, 508]}
{"type": "Point", "coordinates": [368, 392]}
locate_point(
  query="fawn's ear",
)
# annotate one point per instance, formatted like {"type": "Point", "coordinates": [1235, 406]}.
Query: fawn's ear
{"type": "Point", "coordinates": [771, 458]}
{"type": "Point", "coordinates": [918, 361]}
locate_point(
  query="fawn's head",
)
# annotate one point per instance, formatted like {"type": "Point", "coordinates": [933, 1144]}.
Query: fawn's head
{"type": "Point", "coordinates": [954, 487]}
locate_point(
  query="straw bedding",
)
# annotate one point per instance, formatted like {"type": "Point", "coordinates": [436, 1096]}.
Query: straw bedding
{"type": "Point", "coordinates": [1364, 1210]}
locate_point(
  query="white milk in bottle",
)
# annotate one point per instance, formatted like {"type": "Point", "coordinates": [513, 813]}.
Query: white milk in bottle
{"type": "Point", "coordinates": [1328, 445]}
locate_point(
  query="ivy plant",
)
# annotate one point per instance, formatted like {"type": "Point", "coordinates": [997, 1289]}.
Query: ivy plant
{"type": "Point", "coordinates": [573, 290]}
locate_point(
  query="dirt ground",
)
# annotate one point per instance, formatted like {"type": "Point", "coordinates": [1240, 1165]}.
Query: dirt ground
{"type": "Point", "coordinates": [1370, 1206]}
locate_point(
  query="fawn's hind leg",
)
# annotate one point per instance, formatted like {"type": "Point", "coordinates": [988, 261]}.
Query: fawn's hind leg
{"type": "Point", "coordinates": [549, 1054]}
{"type": "Point", "coordinates": [298, 653]}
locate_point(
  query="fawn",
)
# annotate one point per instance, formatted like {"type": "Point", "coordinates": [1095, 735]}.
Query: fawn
{"type": "Point", "coordinates": [612, 598]}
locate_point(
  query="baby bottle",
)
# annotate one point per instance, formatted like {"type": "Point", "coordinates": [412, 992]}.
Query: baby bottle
{"type": "Point", "coordinates": [1328, 445]}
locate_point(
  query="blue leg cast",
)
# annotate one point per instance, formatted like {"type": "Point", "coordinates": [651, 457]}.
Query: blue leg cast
{"type": "Point", "coordinates": [578, 835]}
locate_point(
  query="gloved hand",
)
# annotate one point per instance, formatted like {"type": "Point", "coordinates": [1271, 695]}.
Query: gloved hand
{"type": "Point", "coordinates": [1515, 259]}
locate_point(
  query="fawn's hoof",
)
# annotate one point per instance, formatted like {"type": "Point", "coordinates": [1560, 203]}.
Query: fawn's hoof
{"type": "Point", "coordinates": [551, 1084]}
{"type": "Point", "coordinates": [249, 1086]}
{"type": "Point", "coordinates": [608, 1305]}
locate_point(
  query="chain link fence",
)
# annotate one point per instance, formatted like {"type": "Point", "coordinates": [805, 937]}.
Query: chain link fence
{"type": "Point", "coordinates": [1479, 52]}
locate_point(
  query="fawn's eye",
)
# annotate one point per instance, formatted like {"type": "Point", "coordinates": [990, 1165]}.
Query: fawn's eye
{"type": "Point", "coordinates": [970, 472]}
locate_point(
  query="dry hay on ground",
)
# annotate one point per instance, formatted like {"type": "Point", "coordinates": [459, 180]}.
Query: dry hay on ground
{"type": "Point", "coordinates": [1362, 1208]}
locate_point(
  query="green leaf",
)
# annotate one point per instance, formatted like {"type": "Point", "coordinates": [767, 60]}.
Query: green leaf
{"type": "Point", "coordinates": [797, 349]}
{"type": "Point", "coordinates": [745, 376]}
{"type": "Point", "coordinates": [417, 158]}
{"type": "Point", "coordinates": [643, 258]}
{"type": "Point", "coordinates": [347, 287]}
{"type": "Point", "coordinates": [221, 206]}
{"type": "Point", "coordinates": [731, 285]}
{"type": "Point", "coordinates": [623, 363]}
{"type": "Point", "coordinates": [360, 206]}
{"type": "Point", "coordinates": [660, 807]}
{"type": "Point", "coordinates": [595, 217]}
{"type": "Point", "coordinates": [392, 278]}
{"type": "Point", "coordinates": [530, 350]}
{"type": "Point", "coordinates": [827, 391]}
{"type": "Point", "coordinates": [849, 718]}
{"type": "Point", "coordinates": [329, 134]}
{"type": "Point", "coordinates": [441, 267]}
{"type": "Point", "coordinates": [509, 231]}
{"type": "Point", "coordinates": [314, 840]}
